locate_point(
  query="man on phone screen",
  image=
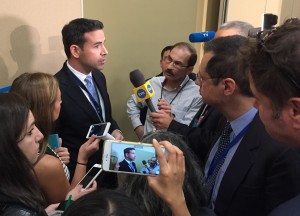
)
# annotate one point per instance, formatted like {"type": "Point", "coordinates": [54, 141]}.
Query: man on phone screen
{"type": "Point", "coordinates": [127, 165]}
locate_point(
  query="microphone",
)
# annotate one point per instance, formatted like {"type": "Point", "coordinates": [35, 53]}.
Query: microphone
{"type": "Point", "coordinates": [146, 165]}
{"type": "Point", "coordinates": [143, 90]}
{"type": "Point", "coordinates": [201, 36]}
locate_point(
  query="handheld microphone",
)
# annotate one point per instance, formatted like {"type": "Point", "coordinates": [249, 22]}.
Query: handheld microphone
{"type": "Point", "coordinates": [201, 36]}
{"type": "Point", "coordinates": [146, 165]}
{"type": "Point", "coordinates": [143, 90]}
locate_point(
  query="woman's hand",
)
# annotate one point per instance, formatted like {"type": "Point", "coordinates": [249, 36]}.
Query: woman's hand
{"type": "Point", "coordinates": [64, 154]}
{"type": "Point", "coordinates": [87, 149]}
{"type": "Point", "coordinates": [168, 184]}
{"type": "Point", "coordinates": [77, 192]}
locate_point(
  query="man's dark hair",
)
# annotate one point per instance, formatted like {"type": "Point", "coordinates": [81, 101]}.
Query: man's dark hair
{"type": "Point", "coordinates": [164, 50]}
{"type": "Point", "coordinates": [275, 64]}
{"type": "Point", "coordinates": [227, 61]}
{"type": "Point", "coordinates": [127, 151]}
{"type": "Point", "coordinates": [193, 57]}
{"type": "Point", "coordinates": [73, 32]}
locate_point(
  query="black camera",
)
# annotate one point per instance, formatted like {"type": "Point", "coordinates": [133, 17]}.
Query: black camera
{"type": "Point", "coordinates": [269, 21]}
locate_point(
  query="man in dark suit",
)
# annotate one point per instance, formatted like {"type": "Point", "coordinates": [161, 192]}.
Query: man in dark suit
{"type": "Point", "coordinates": [206, 123]}
{"type": "Point", "coordinates": [274, 81]}
{"type": "Point", "coordinates": [83, 90]}
{"type": "Point", "coordinates": [127, 165]}
{"type": "Point", "coordinates": [247, 172]}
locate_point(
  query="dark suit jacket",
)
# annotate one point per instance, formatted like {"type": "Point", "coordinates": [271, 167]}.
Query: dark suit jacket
{"type": "Point", "coordinates": [290, 208]}
{"type": "Point", "coordinates": [261, 175]}
{"type": "Point", "coordinates": [200, 139]}
{"type": "Point", "coordinates": [77, 114]}
{"type": "Point", "coordinates": [124, 166]}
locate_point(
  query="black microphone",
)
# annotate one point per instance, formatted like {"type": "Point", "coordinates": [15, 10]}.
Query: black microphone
{"type": "Point", "coordinates": [201, 36]}
{"type": "Point", "coordinates": [143, 90]}
{"type": "Point", "coordinates": [146, 165]}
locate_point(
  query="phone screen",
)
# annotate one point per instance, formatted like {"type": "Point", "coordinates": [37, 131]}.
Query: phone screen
{"type": "Point", "coordinates": [97, 129]}
{"type": "Point", "coordinates": [133, 158]}
{"type": "Point", "coordinates": [89, 176]}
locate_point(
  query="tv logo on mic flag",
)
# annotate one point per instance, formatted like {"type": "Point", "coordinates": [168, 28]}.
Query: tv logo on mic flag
{"type": "Point", "coordinates": [144, 92]}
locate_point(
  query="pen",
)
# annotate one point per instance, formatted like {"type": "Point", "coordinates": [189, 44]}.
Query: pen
{"type": "Point", "coordinates": [68, 202]}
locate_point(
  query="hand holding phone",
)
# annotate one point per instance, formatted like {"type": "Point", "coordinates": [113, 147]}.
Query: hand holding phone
{"type": "Point", "coordinates": [90, 176]}
{"type": "Point", "coordinates": [99, 130]}
{"type": "Point", "coordinates": [168, 186]}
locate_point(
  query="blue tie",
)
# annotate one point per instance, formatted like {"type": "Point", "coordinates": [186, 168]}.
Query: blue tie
{"type": "Point", "coordinates": [224, 141]}
{"type": "Point", "coordinates": [91, 88]}
{"type": "Point", "coordinates": [131, 166]}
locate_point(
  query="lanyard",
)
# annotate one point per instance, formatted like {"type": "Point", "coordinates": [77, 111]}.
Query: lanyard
{"type": "Point", "coordinates": [226, 150]}
{"type": "Point", "coordinates": [162, 88]}
{"type": "Point", "coordinates": [95, 104]}
{"type": "Point", "coordinates": [199, 120]}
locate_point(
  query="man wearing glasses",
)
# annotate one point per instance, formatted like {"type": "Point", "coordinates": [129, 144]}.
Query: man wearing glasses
{"type": "Point", "coordinates": [246, 172]}
{"type": "Point", "coordinates": [174, 92]}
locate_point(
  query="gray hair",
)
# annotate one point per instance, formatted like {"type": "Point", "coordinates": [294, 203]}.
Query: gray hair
{"type": "Point", "coordinates": [242, 27]}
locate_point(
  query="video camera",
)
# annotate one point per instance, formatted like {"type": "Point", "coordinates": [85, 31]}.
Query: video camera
{"type": "Point", "coordinates": [268, 23]}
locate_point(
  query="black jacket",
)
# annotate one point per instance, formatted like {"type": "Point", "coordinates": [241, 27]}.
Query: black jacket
{"type": "Point", "coordinates": [12, 207]}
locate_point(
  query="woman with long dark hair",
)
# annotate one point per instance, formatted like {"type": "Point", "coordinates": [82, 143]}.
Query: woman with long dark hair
{"type": "Point", "coordinates": [20, 192]}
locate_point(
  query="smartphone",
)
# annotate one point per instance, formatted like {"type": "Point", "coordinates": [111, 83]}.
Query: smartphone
{"type": "Point", "coordinates": [100, 130]}
{"type": "Point", "coordinates": [90, 176]}
{"type": "Point", "coordinates": [130, 157]}
{"type": "Point", "coordinates": [53, 141]}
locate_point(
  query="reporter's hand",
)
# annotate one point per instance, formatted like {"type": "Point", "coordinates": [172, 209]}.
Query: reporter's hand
{"type": "Point", "coordinates": [87, 149]}
{"type": "Point", "coordinates": [64, 154]}
{"type": "Point", "coordinates": [139, 131]}
{"type": "Point", "coordinates": [51, 208]}
{"type": "Point", "coordinates": [164, 105]}
{"type": "Point", "coordinates": [161, 119]}
{"type": "Point", "coordinates": [168, 184]}
{"type": "Point", "coordinates": [117, 135]}
{"type": "Point", "coordinates": [77, 192]}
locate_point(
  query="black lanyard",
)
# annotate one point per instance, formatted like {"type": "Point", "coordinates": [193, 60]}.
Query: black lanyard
{"type": "Point", "coordinates": [96, 105]}
{"type": "Point", "coordinates": [215, 161]}
{"type": "Point", "coordinates": [162, 88]}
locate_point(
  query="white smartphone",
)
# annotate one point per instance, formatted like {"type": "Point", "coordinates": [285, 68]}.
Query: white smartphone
{"type": "Point", "coordinates": [90, 176]}
{"type": "Point", "coordinates": [100, 130]}
{"type": "Point", "coordinates": [130, 157]}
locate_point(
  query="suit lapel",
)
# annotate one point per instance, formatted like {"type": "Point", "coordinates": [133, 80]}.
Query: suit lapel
{"type": "Point", "coordinates": [238, 167]}
{"type": "Point", "coordinates": [76, 94]}
{"type": "Point", "coordinates": [101, 85]}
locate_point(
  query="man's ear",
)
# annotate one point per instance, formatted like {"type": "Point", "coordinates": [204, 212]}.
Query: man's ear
{"type": "Point", "coordinates": [75, 51]}
{"type": "Point", "coordinates": [229, 86]}
{"type": "Point", "coordinates": [295, 111]}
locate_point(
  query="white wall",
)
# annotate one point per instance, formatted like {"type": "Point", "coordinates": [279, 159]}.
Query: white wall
{"type": "Point", "coordinates": [252, 10]}
{"type": "Point", "coordinates": [30, 35]}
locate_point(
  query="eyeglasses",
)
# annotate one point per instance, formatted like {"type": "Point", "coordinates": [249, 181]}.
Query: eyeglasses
{"type": "Point", "coordinates": [176, 64]}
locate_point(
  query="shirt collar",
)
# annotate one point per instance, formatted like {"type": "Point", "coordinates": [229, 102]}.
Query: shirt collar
{"type": "Point", "coordinates": [241, 122]}
{"type": "Point", "coordinates": [180, 86]}
{"type": "Point", "coordinates": [78, 74]}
